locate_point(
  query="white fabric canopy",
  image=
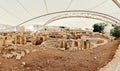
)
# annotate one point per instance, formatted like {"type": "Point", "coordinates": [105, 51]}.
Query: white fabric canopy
{"type": "Point", "coordinates": [14, 12]}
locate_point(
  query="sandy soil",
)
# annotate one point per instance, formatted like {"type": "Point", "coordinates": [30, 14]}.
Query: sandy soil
{"type": "Point", "coordinates": [114, 64]}
{"type": "Point", "coordinates": [51, 59]}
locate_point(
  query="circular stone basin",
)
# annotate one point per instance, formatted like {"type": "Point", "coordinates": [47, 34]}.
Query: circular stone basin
{"type": "Point", "coordinates": [97, 41]}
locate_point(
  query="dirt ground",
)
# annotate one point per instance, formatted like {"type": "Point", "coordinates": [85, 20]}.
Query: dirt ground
{"type": "Point", "coordinates": [52, 59]}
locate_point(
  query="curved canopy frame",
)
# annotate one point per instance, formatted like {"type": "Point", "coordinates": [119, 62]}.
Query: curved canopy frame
{"type": "Point", "coordinates": [78, 14]}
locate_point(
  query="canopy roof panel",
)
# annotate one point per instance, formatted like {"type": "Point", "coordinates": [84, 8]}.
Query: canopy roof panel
{"type": "Point", "coordinates": [14, 12]}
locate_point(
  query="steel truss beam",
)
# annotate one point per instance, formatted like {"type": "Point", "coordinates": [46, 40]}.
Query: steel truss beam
{"type": "Point", "coordinates": [78, 14]}
{"type": "Point", "coordinates": [117, 2]}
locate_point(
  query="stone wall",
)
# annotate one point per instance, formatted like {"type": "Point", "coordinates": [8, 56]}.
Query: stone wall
{"type": "Point", "coordinates": [80, 44]}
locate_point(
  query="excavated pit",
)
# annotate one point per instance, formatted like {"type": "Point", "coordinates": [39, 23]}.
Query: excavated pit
{"type": "Point", "coordinates": [48, 55]}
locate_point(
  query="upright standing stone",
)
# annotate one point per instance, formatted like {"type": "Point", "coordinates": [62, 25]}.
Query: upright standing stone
{"type": "Point", "coordinates": [83, 44]}
{"type": "Point", "coordinates": [9, 36]}
{"type": "Point", "coordinates": [87, 44]}
{"type": "Point", "coordinates": [21, 40]}
{"type": "Point", "coordinates": [65, 44]}
{"type": "Point", "coordinates": [73, 43]}
{"type": "Point", "coordinates": [79, 44]}
{"type": "Point", "coordinates": [2, 41]}
{"type": "Point", "coordinates": [61, 43]}
{"type": "Point", "coordinates": [17, 39]}
{"type": "Point", "coordinates": [25, 39]}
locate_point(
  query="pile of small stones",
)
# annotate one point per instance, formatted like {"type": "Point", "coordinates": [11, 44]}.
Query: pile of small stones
{"type": "Point", "coordinates": [13, 52]}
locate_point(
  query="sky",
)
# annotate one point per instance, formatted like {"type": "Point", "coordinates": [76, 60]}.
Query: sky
{"type": "Point", "coordinates": [12, 13]}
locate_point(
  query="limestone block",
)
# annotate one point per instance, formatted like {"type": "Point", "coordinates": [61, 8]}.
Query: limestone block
{"type": "Point", "coordinates": [79, 44]}
{"type": "Point", "coordinates": [62, 49]}
{"type": "Point", "coordinates": [73, 48]}
{"type": "Point", "coordinates": [73, 43]}
{"type": "Point", "coordinates": [9, 42]}
{"type": "Point", "coordinates": [43, 38]}
{"type": "Point", "coordinates": [84, 37]}
{"type": "Point", "coordinates": [55, 36]}
{"type": "Point", "coordinates": [79, 36]}
{"type": "Point", "coordinates": [2, 41]}
{"type": "Point", "coordinates": [9, 36]}
{"type": "Point", "coordinates": [37, 41]}
{"type": "Point", "coordinates": [16, 39]}
{"type": "Point", "coordinates": [65, 44]}
{"type": "Point", "coordinates": [68, 44]}
{"type": "Point", "coordinates": [22, 39]}
{"type": "Point", "coordinates": [8, 55]}
{"type": "Point", "coordinates": [88, 44]}
{"type": "Point", "coordinates": [25, 39]}
{"type": "Point", "coordinates": [61, 43]}
{"type": "Point", "coordinates": [83, 44]}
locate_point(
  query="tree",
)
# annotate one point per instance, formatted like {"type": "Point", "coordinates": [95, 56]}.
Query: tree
{"type": "Point", "coordinates": [115, 31]}
{"type": "Point", "coordinates": [99, 27]}
{"type": "Point", "coordinates": [45, 29]}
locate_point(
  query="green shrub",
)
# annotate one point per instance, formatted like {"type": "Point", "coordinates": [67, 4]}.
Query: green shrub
{"type": "Point", "coordinates": [99, 27]}
{"type": "Point", "coordinates": [115, 32]}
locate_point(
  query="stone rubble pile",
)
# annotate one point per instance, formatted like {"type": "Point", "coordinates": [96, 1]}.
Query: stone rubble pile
{"type": "Point", "coordinates": [69, 39]}
{"type": "Point", "coordinates": [13, 52]}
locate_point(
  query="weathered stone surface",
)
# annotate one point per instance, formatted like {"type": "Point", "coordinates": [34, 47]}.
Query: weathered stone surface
{"type": "Point", "coordinates": [23, 63]}
{"type": "Point", "coordinates": [22, 53]}
{"type": "Point", "coordinates": [13, 52]}
{"type": "Point", "coordinates": [62, 49]}
{"type": "Point", "coordinates": [8, 55]}
{"type": "Point", "coordinates": [34, 50]}
{"type": "Point", "coordinates": [18, 57]}
{"type": "Point", "coordinates": [73, 48]}
{"type": "Point", "coordinates": [2, 40]}
{"type": "Point", "coordinates": [27, 51]}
